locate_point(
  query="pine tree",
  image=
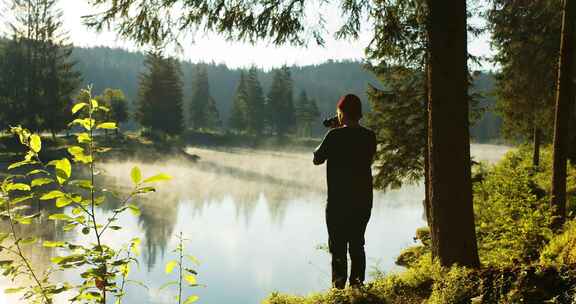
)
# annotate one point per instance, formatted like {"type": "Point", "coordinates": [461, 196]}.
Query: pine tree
{"type": "Point", "coordinates": [280, 102]}
{"type": "Point", "coordinates": [255, 103]}
{"type": "Point", "coordinates": [527, 55]}
{"type": "Point", "coordinates": [203, 110]}
{"type": "Point", "coordinates": [306, 114]}
{"type": "Point", "coordinates": [564, 109]}
{"type": "Point", "coordinates": [160, 95]}
{"type": "Point", "coordinates": [213, 120]}
{"type": "Point", "coordinates": [43, 79]}
{"type": "Point", "coordinates": [451, 211]}
{"type": "Point", "coordinates": [238, 116]}
{"type": "Point", "coordinates": [399, 117]}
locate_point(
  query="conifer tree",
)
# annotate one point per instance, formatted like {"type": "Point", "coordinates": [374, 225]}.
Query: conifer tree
{"type": "Point", "coordinates": [203, 110]}
{"type": "Point", "coordinates": [527, 55]}
{"type": "Point", "coordinates": [306, 114]}
{"type": "Point", "coordinates": [213, 120]}
{"type": "Point", "coordinates": [238, 116]}
{"type": "Point", "coordinates": [255, 103]}
{"type": "Point", "coordinates": [43, 79]}
{"type": "Point", "coordinates": [563, 110]}
{"type": "Point", "coordinates": [281, 104]}
{"type": "Point", "coordinates": [160, 95]}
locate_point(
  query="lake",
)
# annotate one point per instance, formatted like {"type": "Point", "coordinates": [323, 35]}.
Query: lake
{"type": "Point", "coordinates": [253, 218]}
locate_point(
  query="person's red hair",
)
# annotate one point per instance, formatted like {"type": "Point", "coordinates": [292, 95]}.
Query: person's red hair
{"type": "Point", "coordinates": [350, 105]}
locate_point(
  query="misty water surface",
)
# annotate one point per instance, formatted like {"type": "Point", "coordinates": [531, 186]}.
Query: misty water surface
{"type": "Point", "coordinates": [254, 219]}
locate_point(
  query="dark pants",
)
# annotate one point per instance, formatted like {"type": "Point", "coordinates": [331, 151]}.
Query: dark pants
{"type": "Point", "coordinates": [346, 233]}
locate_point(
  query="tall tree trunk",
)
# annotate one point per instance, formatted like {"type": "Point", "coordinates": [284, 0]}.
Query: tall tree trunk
{"type": "Point", "coordinates": [564, 101]}
{"type": "Point", "coordinates": [452, 217]}
{"type": "Point", "coordinates": [536, 148]}
{"type": "Point", "coordinates": [427, 208]}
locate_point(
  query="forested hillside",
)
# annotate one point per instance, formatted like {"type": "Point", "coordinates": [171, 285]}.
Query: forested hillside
{"type": "Point", "coordinates": [104, 67]}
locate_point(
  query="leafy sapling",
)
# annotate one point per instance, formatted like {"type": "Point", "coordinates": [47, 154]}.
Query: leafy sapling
{"type": "Point", "coordinates": [186, 275]}
{"type": "Point", "coordinates": [103, 269]}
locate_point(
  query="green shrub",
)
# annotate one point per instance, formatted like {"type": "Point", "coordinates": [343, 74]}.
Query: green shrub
{"type": "Point", "coordinates": [562, 248]}
{"type": "Point", "coordinates": [512, 223]}
{"type": "Point", "coordinates": [454, 286]}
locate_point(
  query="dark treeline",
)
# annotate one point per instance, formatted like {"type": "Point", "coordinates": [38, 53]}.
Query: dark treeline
{"type": "Point", "coordinates": [324, 83]}
{"type": "Point", "coordinates": [314, 90]}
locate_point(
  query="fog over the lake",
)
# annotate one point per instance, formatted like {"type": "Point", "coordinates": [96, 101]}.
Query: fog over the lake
{"type": "Point", "coordinates": [254, 218]}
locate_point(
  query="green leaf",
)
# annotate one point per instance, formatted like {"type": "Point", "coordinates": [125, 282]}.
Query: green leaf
{"type": "Point", "coordinates": [191, 279]}
{"type": "Point", "coordinates": [107, 126]}
{"type": "Point", "coordinates": [192, 259]}
{"type": "Point", "coordinates": [21, 199]}
{"type": "Point", "coordinates": [77, 107]}
{"type": "Point", "coordinates": [35, 143]}
{"type": "Point", "coordinates": [83, 138]}
{"type": "Point", "coordinates": [85, 230]}
{"type": "Point", "coordinates": [94, 103]}
{"type": "Point", "coordinates": [136, 175]}
{"type": "Point", "coordinates": [28, 241]}
{"type": "Point", "coordinates": [134, 209]}
{"type": "Point", "coordinates": [82, 183]}
{"type": "Point", "coordinates": [63, 202]}
{"type": "Point", "coordinates": [75, 150]}
{"type": "Point", "coordinates": [170, 266]}
{"type": "Point", "coordinates": [52, 195]}
{"type": "Point", "coordinates": [18, 186]}
{"type": "Point", "coordinates": [60, 216]}
{"type": "Point", "coordinates": [13, 290]}
{"type": "Point", "coordinates": [53, 244]}
{"type": "Point", "coordinates": [191, 299]}
{"type": "Point", "coordinates": [146, 190]}
{"type": "Point", "coordinates": [20, 164]}
{"type": "Point", "coordinates": [87, 123]}
{"type": "Point", "coordinates": [63, 169]}
{"type": "Point", "coordinates": [3, 236]}
{"type": "Point", "coordinates": [41, 181]}
{"type": "Point", "coordinates": [135, 246]}
{"type": "Point", "coordinates": [158, 178]}
{"type": "Point", "coordinates": [115, 227]}
{"type": "Point", "coordinates": [168, 284]}
{"type": "Point", "coordinates": [125, 269]}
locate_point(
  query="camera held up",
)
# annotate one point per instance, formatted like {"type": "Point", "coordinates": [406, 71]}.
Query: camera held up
{"type": "Point", "coordinates": [331, 122]}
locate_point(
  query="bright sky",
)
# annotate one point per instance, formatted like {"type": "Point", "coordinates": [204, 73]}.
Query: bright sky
{"type": "Point", "coordinates": [211, 47]}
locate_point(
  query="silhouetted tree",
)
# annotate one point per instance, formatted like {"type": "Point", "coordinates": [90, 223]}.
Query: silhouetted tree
{"type": "Point", "coordinates": [564, 109]}
{"type": "Point", "coordinates": [238, 117]}
{"type": "Point", "coordinates": [451, 213]}
{"type": "Point", "coordinates": [203, 111]}
{"type": "Point", "coordinates": [281, 103]}
{"type": "Point", "coordinates": [38, 75]}
{"type": "Point", "coordinates": [160, 95]}
{"type": "Point", "coordinates": [306, 114]}
{"type": "Point", "coordinates": [255, 103]}
{"type": "Point", "coordinates": [527, 56]}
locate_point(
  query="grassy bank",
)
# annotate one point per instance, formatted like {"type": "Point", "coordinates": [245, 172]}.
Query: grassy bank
{"type": "Point", "coordinates": [523, 261]}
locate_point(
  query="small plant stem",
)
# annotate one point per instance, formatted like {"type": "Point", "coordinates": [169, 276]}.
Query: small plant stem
{"type": "Point", "coordinates": [180, 269]}
{"type": "Point", "coordinates": [24, 259]}
{"type": "Point", "coordinates": [92, 199]}
{"type": "Point", "coordinates": [115, 215]}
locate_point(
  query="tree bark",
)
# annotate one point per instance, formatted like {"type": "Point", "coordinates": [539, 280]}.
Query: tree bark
{"type": "Point", "coordinates": [564, 101]}
{"type": "Point", "coordinates": [452, 217]}
{"type": "Point", "coordinates": [427, 208]}
{"type": "Point", "coordinates": [536, 148]}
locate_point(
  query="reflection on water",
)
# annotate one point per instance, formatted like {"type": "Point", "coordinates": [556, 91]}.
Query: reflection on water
{"type": "Point", "coordinates": [254, 220]}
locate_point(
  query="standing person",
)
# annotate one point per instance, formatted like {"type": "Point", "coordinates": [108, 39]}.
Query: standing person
{"type": "Point", "coordinates": [349, 149]}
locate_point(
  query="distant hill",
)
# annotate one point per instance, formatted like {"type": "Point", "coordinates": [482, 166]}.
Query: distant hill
{"type": "Point", "coordinates": [105, 67]}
